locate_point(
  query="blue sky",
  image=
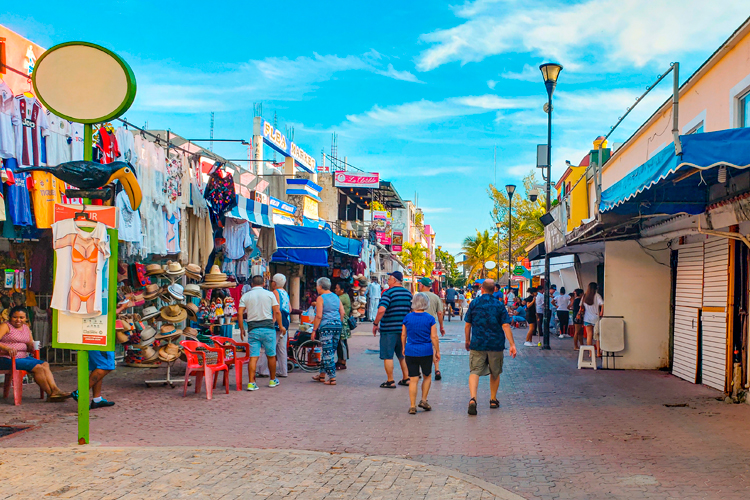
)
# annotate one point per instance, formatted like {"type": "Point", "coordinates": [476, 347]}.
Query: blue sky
{"type": "Point", "coordinates": [418, 91]}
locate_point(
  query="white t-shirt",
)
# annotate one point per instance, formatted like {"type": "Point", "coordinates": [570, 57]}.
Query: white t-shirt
{"type": "Point", "coordinates": [591, 312]}
{"type": "Point", "coordinates": [76, 146]}
{"type": "Point", "coordinates": [563, 301]}
{"type": "Point", "coordinates": [539, 303]}
{"type": "Point", "coordinates": [258, 304]}
{"type": "Point", "coordinates": [9, 117]}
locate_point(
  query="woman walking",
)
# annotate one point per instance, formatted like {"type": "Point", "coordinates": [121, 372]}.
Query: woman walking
{"type": "Point", "coordinates": [329, 315]}
{"type": "Point", "coordinates": [530, 316]}
{"type": "Point", "coordinates": [563, 314]}
{"type": "Point", "coordinates": [592, 306]}
{"type": "Point", "coordinates": [420, 340]}
{"type": "Point", "coordinates": [577, 319]}
{"type": "Point", "coordinates": [16, 342]}
{"type": "Point", "coordinates": [342, 349]}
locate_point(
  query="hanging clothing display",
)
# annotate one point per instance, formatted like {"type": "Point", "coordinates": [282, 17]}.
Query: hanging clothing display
{"type": "Point", "coordinates": [45, 193]}
{"type": "Point", "coordinates": [76, 145]}
{"type": "Point", "coordinates": [219, 194]}
{"type": "Point", "coordinates": [17, 195]}
{"type": "Point", "coordinates": [80, 276]}
{"type": "Point", "coordinates": [200, 239]}
{"type": "Point", "coordinates": [130, 220]}
{"type": "Point", "coordinates": [29, 130]}
{"type": "Point", "coordinates": [172, 223]}
{"type": "Point", "coordinates": [237, 238]}
{"type": "Point", "coordinates": [374, 293]}
{"type": "Point", "coordinates": [58, 142]}
{"type": "Point", "coordinates": [9, 118]}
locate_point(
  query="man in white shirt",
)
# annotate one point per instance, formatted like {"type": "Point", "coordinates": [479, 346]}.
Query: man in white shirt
{"type": "Point", "coordinates": [563, 315]}
{"type": "Point", "coordinates": [262, 310]}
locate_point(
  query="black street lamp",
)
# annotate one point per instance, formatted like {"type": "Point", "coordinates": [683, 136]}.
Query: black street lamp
{"type": "Point", "coordinates": [550, 72]}
{"type": "Point", "coordinates": [510, 189]}
{"type": "Point", "coordinates": [498, 225]}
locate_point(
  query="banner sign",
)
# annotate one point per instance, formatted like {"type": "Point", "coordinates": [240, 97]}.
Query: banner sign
{"type": "Point", "coordinates": [279, 143]}
{"type": "Point", "coordinates": [363, 180]}
{"type": "Point", "coordinates": [282, 206]}
{"type": "Point", "coordinates": [397, 242]}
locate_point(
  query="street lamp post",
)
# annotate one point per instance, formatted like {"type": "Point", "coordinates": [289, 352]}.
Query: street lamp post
{"type": "Point", "coordinates": [510, 189]}
{"type": "Point", "coordinates": [498, 225]}
{"type": "Point", "coordinates": [550, 72]}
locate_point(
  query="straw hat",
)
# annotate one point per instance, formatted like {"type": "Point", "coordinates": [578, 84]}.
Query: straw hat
{"type": "Point", "coordinates": [175, 269]}
{"type": "Point", "coordinates": [194, 271]}
{"type": "Point", "coordinates": [147, 336]}
{"type": "Point", "coordinates": [192, 290]}
{"type": "Point", "coordinates": [149, 312]}
{"type": "Point", "coordinates": [355, 314]}
{"type": "Point", "coordinates": [176, 291]}
{"type": "Point", "coordinates": [154, 269]}
{"type": "Point", "coordinates": [215, 276]}
{"type": "Point", "coordinates": [148, 353]}
{"type": "Point", "coordinates": [121, 337]}
{"type": "Point", "coordinates": [168, 332]}
{"type": "Point", "coordinates": [173, 314]}
{"type": "Point", "coordinates": [190, 333]}
{"type": "Point", "coordinates": [152, 291]}
{"type": "Point", "coordinates": [169, 352]}
{"type": "Point", "coordinates": [192, 311]}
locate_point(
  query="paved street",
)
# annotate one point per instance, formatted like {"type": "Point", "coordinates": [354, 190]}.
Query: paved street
{"type": "Point", "coordinates": [560, 433]}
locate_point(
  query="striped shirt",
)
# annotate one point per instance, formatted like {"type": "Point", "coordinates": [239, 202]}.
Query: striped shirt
{"type": "Point", "coordinates": [397, 303]}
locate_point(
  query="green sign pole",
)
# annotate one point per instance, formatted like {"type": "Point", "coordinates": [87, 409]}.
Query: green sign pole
{"type": "Point", "coordinates": [83, 356]}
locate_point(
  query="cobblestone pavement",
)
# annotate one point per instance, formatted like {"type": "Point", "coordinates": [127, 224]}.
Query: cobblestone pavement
{"type": "Point", "coordinates": [228, 473]}
{"type": "Point", "coordinates": [560, 432]}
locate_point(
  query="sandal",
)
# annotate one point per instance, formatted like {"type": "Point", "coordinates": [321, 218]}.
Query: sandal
{"type": "Point", "coordinates": [388, 385]}
{"type": "Point", "coordinates": [425, 405]}
{"type": "Point", "coordinates": [58, 397]}
{"type": "Point", "coordinates": [473, 406]}
{"type": "Point", "coordinates": [494, 403]}
{"type": "Point", "coordinates": [412, 411]}
{"type": "Point", "coordinates": [330, 382]}
{"type": "Point", "coordinates": [319, 378]}
{"type": "Point", "coordinates": [438, 376]}
{"type": "Point", "coordinates": [403, 382]}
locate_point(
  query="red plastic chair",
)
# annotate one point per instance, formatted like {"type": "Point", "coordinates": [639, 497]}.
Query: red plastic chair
{"type": "Point", "coordinates": [237, 361]}
{"type": "Point", "coordinates": [15, 377]}
{"type": "Point", "coordinates": [198, 365]}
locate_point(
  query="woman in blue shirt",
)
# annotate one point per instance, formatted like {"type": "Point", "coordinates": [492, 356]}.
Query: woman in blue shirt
{"type": "Point", "coordinates": [420, 340]}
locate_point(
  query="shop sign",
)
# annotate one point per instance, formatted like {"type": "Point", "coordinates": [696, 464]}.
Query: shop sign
{"type": "Point", "coordinates": [279, 143]}
{"type": "Point", "coordinates": [363, 180]}
{"type": "Point", "coordinates": [310, 208]}
{"type": "Point", "coordinates": [398, 241]}
{"type": "Point", "coordinates": [282, 206]}
{"type": "Point", "coordinates": [259, 197]}
{"type": "Point", "coordinates": [519, 270]}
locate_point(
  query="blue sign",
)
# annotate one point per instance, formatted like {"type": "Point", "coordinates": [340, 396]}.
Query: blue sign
{"type": "Point", "coordinates": [282, 206]}
{"type": "Point", "coordinates": [279, 143]}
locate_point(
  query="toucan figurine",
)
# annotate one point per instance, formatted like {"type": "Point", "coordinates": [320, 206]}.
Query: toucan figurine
{"type": "Point", "coordinates": [92, 175]}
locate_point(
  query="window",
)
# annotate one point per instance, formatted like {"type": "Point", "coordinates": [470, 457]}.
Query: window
{"type": "Point", "coordinates": [745, 110]}
{"type": "Point", "coordinates": [698, 129]}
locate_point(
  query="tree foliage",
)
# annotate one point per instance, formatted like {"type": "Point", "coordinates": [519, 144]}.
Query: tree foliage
{"type": "Point", "coordinates": [418, 257]}
{"type": "Point", "coordinates": [479, 250]}
{"type": "Point", "coordinates": [452, 274]}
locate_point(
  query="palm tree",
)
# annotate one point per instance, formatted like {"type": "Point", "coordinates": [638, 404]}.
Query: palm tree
{"type": "Point", "coordinates": [479, 250]}
{"type": "Point", "coordinates": [416, 256]}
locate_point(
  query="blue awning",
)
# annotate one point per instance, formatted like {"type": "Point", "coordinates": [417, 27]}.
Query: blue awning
{"type": "Point", "coordinates": [302, 245]}
{"type": "Point", "coordinates": [702, 151]}
{"type": "Point", "coordinates": [346, 246]}
{"type": "Point", "coordinates": [252, 211]}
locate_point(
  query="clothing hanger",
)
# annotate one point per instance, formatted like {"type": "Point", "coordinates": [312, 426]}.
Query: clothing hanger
{"type": "Point", "coordinates": [28, 92]}
{"type": "Point", "coordinates": [83, 218]}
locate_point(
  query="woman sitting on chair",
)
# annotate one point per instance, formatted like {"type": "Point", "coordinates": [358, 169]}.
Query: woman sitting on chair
{"type": "Point", "coordinates": [16, 341]}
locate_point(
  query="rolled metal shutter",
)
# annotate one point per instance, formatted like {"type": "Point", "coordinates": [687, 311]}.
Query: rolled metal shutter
{"type": "Point", "coordinates": [714, 319]}
{"type": "Point", "coordinates": [688, 301]}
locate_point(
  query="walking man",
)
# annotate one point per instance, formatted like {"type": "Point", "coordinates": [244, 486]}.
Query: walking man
{"type": "Point", "coordinates": [450, 300]}
{"type": "Point", "coordinates": [487, 328]}
{"type": "Point", "coordinates": [262, 310]}
{"type": "Point", "coordinates": [435, 309]}
{"type": "Point", "coordinates": [395, 304]}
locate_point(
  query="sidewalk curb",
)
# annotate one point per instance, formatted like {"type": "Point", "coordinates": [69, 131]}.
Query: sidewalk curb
{"type": "Point", "coordinates": [493, 489]}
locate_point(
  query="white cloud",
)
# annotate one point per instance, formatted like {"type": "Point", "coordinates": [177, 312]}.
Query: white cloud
{"type": "Point", "coordinates": [611, 32]}
{"type": "Point", "coordinates": [237, 86]}
{"type": "Point", "coordinates": [528, 74]}
{"type": "Point", "coordinates": [436, 210]}
{"type": "Point", "coordinates": [491, 84]}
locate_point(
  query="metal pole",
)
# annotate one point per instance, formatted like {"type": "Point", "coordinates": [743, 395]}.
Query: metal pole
{"type": "Point", "coordinates": [676, 108]}
{"type": "Point", "coordinates": [82, 357]}
{"type": "Point", "coordinates": [498, 254]}
{"type": "Point", "coordinates": [547, 311]}
{"type": "Point", "coordinates": [510, 232]}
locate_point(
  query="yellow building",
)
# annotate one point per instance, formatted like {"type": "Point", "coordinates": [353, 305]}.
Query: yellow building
{"type": "Point", "coordinates": [571, 182]}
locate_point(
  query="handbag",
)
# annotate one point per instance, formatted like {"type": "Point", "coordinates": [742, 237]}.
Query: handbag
{"type": "Point", "coordinates": [352, 323]}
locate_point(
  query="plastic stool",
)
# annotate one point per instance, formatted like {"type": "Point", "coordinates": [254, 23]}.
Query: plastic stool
{"type": "Point", "coordinates": [587, 364]}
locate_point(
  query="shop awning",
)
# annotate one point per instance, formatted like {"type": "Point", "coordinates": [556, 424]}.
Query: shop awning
{"type": "Point", "coordinates": [301, 245]}
{"type": "Point", "coordinates": [670, 184]}
{"type": "Point", "coordinates": [346, 246]}
{"type": "Point", "coordinates": [252, 211]}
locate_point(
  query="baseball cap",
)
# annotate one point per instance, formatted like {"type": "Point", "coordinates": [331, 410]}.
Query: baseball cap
{"type": "Point", "coordinates": [426, 281]}
{"type": "Point", "coordinates": [397, 275]}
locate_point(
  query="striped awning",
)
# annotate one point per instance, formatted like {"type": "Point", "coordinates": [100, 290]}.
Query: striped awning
{"type": "Point", "coordinates": [252, 211]}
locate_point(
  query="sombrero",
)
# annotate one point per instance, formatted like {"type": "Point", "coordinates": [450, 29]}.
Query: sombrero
{"type": "Point", "coordinates": [192, 311]}
{"type": "Point", "coordinates": [154, 269]}
{"type": "Point", "coordinates": [149, 312]}
{"type": "Point", "coordinates": [152, 291]}
{"type": "Point", "coordinates": [168, 332]}
{"type": "Point", "coordinates": [173, 314]}
{"type": "Point", "coordinates": [192, 290]}
{"type": "Point", "coordinates": [175, 269]}
{"type": "Point", "coordinates": [194, 271]}
{"type": "Point", "coordinates": [190, 333]}
{"type": "Point", "coordinates": [147, 337]}
{"type": "Point", "coordinates": [169, 352]}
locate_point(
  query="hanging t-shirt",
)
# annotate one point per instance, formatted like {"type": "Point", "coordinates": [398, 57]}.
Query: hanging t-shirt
{"type": "Point", "coordinates": [173, 231]}
{"type": "Point", "coordinates": [33, 124]}
{"type": "Point", "coordinates": [129, 228]}
{"type": "Point", "coordinates": [238, 238]}
{"type": "Point", "coordinates": [17, 194]}
{"type": "Point", "coordinates": [58, 141]}
{"type": "Point", "coordinates": [9, 117]}
{"type": "Point", "coordinates": [45, 194]}
{"type": "Point", "coordinates": [220, 195]}
{"type": "Point", "coordinates": [76, 144]}
{"type": "Point", "coordinates": [82, 261]}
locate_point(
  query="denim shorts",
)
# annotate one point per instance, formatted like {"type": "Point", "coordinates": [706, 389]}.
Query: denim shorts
{"type": "Point", "coordinates": [26, 364]}
{"type": "Point", "coordinates": [262, 336]}
{"type": "Point", "coordinates": [101, 360]}
{"type": "Point", "coordinates": [390, 344]}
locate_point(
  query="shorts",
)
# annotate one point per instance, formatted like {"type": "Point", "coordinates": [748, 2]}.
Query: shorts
{"type": "Point", "coordinates": [101, 360]}
{"type": "Point", "coordinates": [390, 344]}
{"type": "Point", "coordinates": [26, 364]}
{"type": "Point", "coordinates": [262, 336]}
{"type": "Point", "coordinates": [531, 319]}
{"type": "Point", "coordinates": [416, 363]}
{"type": "Point", "coordinates": [486, 363]}
{"type": "Point", "coordinates": [451, 303]}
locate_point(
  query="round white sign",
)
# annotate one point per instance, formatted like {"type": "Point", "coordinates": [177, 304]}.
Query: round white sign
{"type": "Point", "coordinates": [490, 264]}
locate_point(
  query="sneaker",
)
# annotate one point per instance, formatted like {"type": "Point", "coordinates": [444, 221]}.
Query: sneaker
{"type": "Point", "coordinates": [252, 386]}
{"type": "Point", "coordinates": [528, 344]}
{"type": "Point", "coordinates": [74, 394]}
{"type": "Point", "coordinates": [561, 336]}
{"type": "Point", "coordinates": [101, 404]}
{"type": "Point", "coordinates": [273, 382]}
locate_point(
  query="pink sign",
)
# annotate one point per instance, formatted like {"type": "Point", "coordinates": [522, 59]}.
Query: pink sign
{"type": "Point", "coordinates": [383, 238]}
{"type": "Point", "coordinates": [363, 180]}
